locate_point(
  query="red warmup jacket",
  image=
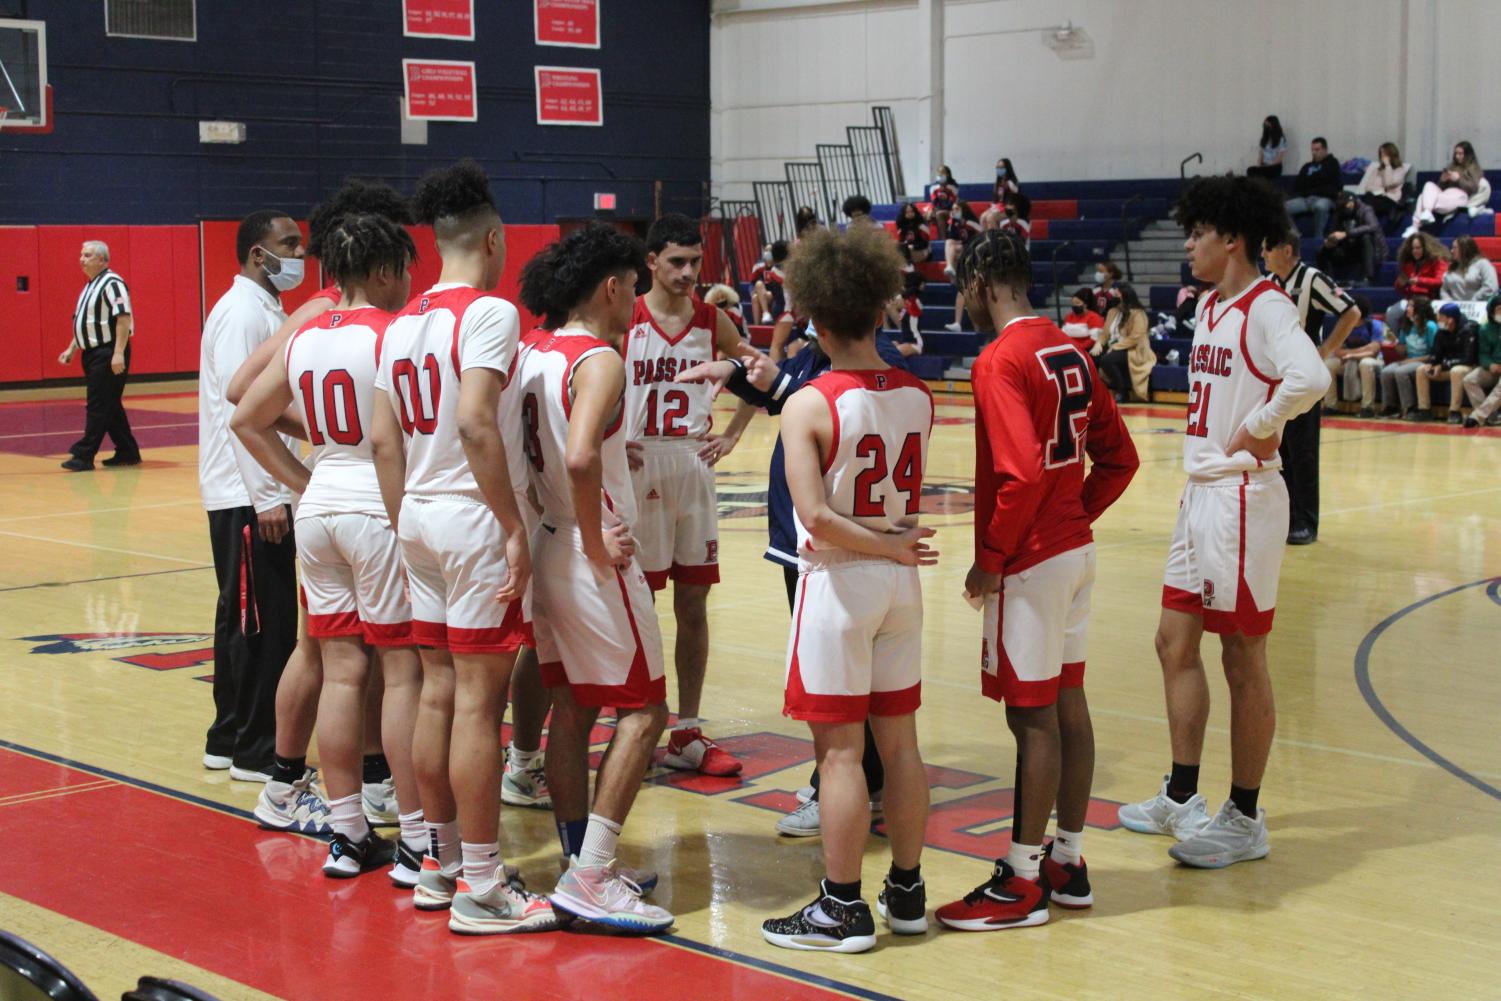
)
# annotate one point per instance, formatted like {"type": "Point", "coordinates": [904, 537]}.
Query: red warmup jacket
{"type": "Point", "coordinates": [1040, 408]}
{"type": "Point", "coordinates": [1425, 277]}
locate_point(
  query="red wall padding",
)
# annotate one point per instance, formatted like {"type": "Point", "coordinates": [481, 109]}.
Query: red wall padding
{"type": "Point", "coordinates": [21, 312]}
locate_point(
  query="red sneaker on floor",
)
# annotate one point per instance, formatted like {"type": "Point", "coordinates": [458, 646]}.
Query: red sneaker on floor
{"type": "Point", "coordinates": [1068, 884]}
{"type": "Point", "coordinates": [1003, 901]}
{"type": "Point", "coordinates": [691, 751]}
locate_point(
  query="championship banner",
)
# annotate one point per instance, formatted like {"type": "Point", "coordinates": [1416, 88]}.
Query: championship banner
{"type": "Point", "coordinates": [572, 23]}
{"type": "Point", "coordinates": [569, 96]}
{"type": "Point", "coordinates": [452, 19]}
{"type": "Point", "coordinates": [440, 90]}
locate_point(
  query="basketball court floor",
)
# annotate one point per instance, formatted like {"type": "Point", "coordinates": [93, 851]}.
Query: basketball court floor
{"type": "Point", "coordinates": [124, 857]}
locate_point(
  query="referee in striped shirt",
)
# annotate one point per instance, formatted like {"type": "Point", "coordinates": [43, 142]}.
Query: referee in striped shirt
{"type": "Point", "coordinates": [102, 325]}
{"type": "Point", "coordinates": [1317, 297]}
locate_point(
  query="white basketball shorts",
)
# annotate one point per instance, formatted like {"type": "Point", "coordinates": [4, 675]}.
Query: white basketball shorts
{"type": "Point", "coordinates": [677, 515]}
{"type": "Point", "coordinates": [598, 637]}
{"type": "Point", "coordinates": [353, 581]}
{"type": "Point", "coordinates": [454, 552]}
{"type": "Point", "coordinates": [1226, 553]}
{"type": "Point", "coordinates": [1035, 630]}
{"type": "Point", "coordinates": [856, 644]}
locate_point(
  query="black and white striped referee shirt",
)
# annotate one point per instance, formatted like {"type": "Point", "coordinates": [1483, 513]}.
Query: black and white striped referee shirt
{"type": "Point", "coordinates": [103, 300]}
{"type": "Point", "coordinates": [1316, 295]}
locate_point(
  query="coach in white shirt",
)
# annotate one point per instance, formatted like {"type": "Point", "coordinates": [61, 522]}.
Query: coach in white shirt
{"type": "Point", "coordinates": [249, 515]}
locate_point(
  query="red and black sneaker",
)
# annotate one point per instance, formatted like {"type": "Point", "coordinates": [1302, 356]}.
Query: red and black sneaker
{"type": "Point", "coordinates": [689, 750]}
{"type": "Point", "coordinates": [1003, 901]}
{"type": "Point", "coordinates": [1068, 884]}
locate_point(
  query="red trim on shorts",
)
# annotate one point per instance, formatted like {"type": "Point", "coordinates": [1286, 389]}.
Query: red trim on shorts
{"type": "Point", "coordinates": [1073, 675]}
{"type": "Point", "coordinates": [430, 634]}
{"type": "Point", "coordinates": [553, 675]}
{"type": "Point", "coordinates": [897, 703]}
{"type": "Point", "coordinates": [704, 574]}
{"type": "Point", "coordinates": [528, 635]}
{"type": "Point", "coordinates": [302, 597]}
{"type": "Point", "coordinates": [657, 579]}
{"type": "Point", "coordinates": [323, 627]}
{"type": "Point", "coordinates": [1178, 600]}
{"type": "Point", "coordinates": [1005, 686]}
{"type": "Point", "coordinates": [640, 688]}
{"type": "Point", "coordinates": [388, 634]}
{"type": "Point", "coordinates": [504, 638]}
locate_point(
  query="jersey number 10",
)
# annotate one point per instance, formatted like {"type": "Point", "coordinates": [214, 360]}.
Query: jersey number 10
{"type": "Point", "coordinates": [343, 426]}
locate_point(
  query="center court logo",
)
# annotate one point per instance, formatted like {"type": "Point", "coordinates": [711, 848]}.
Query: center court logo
{"type": "Point", "coordinates": [108, 642]}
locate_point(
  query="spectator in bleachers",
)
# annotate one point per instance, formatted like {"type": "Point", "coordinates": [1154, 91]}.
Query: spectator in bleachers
{"type": "Point", "coordinates": [1007, 188]}
{"type": "Point", "coordinates": [912, 232]}
{"type": "Point", "coordinates": [943, 195]}
{"type": "Point", "coordinates": [1382, 186]}
{"type": "Point", "coordinates": [804, 218]}
{"type": "Point", "coordinates": [1124, 349]}
{"type": "Point", "coordinates": [904, 311]}
{"type": "Point", "coordinates": [1362, 344]}
{"type": "Point", "coordinates": [1317, 184]}
{"type": "Point", "coordinates": [728, 300]}
{"type": "Point", "coordinates": [1421, 265]}
{"type": "Point", "coordinates": [1483, 384]}
{"type": "Point", "coordinates": [767, 294]}
{"type": "Point", "coordinates": [1457, 184]}
{"type": "Point", "coordinates": [1355, 237]}
{"type": "Point", "coordinates": [1183, 317]}
{"type": "Point", "coordinates": [962, 224]}
{"type": "Point", "coordinates": [1454, 355]}
{"type": "Point", "coordinates": [1272, 152]}
{"type": "Point", "coordinates": [1470, 278]}
{"type": "Point", "coordinates": [1106, 274]}
{"type": "Point", "coordinates": [856, 209]}
{"type": "Point", "coordinates": [1081, 321]}
{"type": "Point", "coordinates": [1417, 333]}
{"type": "Point", "coordinates": [1013, 218]}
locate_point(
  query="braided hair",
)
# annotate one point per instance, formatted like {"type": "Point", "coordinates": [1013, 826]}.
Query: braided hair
{"type": "Point", "coordinates": [995, 257]}
{"type": "Point", "coordinates": [565, 274]}
{"type": "Point", "coordinates": [358, 246]}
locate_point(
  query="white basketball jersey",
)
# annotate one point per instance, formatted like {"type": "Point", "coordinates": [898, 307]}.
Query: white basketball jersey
{"type": "Point", "coordinates": [331, 364]}
{"type": "Point", "coordinates": [545, 384]}
{"type": "Point", "coordinates": [1232, 373]}
{"type": "Point", "coordinates": [873, 475]}
{"type": "Point", "coordinates": [656, 407]}
{"type": "Point", "coordinates": [442, 332]}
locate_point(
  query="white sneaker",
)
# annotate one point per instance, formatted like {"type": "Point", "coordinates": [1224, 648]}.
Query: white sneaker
{"type": "Point", "coordinates": [1426, 217]}
{"type": "Point", "coordinates": [765, 317]}
{"type": "Point", "coordinates": [506, 908]}
{"type": "Point", "coordinates": [1162, 815]}
{"type": "Point", "coordinates": [379, 802]}
{"type": "Point", "coordinates": [525, 786]}
{"type": "Point", "coordinates": [1230, 837]}
{"type": "Point", "coordinates": [248, 775]}
{"type": "Point", "coordinates": [805, 794]}
{"type": "Point", "coordinates": [802, 822]}
{"type": "Point", "coordinates": [216, 762]}
{"type": "Point", "coordinates": [1410, 232]}
{"type": "Point", "coordinates": [645, 879]}
{"type": "Point", "coordinates": [600, 893]}
{"type": "Point", "coordinates": [955, 327]}
{"type": "Point", "coordinates": [293, 806]}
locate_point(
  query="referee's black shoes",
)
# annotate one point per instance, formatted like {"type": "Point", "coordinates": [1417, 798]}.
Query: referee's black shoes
{"type": "Point", "coordinates": [123, 459]}
{"type": "Point", "coordinates": [77, 465]}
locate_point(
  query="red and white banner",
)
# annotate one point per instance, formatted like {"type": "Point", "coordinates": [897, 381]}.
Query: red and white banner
{"type": "Point", "coordinates": [440, 90]}
{"type": "Point", "coordinates": [569, 96]}
{"type": "Point", "coordinates": [573, 23]}
{"type": "Point", "coordinates": [438, 19]}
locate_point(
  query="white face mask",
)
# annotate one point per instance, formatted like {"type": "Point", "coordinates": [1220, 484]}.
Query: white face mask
{"type": "Point", "coordinates": [1100, 276]}
{"type": "Point", "coordinates": [766, 256]}
{"type": "Point", "coordinates": [288, 274]}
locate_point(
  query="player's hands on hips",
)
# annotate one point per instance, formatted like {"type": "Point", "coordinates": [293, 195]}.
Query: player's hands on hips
{"type": "Point", "coordinates": [1262, 448]}
{"type": "Point", "coordinates": [518, 569]}
{"type": "Point", "coordinates": [909, 548]}
{"type": "Point", "coordinates": [634, 451]}
{"type": "Point", "coordinates": [117, 364]}
{"type": "Point", "coordinates": [274, 524]}
{"type": "Point", "coordinates": [718, 372]}
{"type": "Point", "coordinates": [980, 583]}
{"type": "Point", "coordinates": [716, 447]}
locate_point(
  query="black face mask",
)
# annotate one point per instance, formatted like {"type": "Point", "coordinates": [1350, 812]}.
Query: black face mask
{"type": "Point", "coordinates": [1078, 310]}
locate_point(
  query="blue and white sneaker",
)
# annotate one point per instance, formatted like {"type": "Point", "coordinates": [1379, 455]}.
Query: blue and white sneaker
{"type": "Point", "coordinates": [599, 893]}
{"type": "Point", "coordinates": [293, 806]}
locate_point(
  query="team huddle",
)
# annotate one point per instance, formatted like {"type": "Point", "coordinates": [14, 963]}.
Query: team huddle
{"type": "Point", "coordinates": [487, 511]}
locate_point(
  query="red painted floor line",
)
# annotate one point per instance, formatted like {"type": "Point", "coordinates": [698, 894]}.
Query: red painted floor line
{"type": "Point", "coordinates": [213, 890]}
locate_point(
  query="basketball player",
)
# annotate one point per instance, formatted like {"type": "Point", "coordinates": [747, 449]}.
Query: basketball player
{"type": "Point", "coordinates": [856, 442]}
{"type": "Point", "coordinates": [1251, 370]}
{"type": "Point", "coordinates": [669, 433]}
{"type": "Point", "coordinates": [351, 562]}
{"type": "Point", "coordinates": [597, 636]}
{"type": "Point", "coordinates": [441, 459]}
{"type": "Point", "coordinates": [1040, 408]}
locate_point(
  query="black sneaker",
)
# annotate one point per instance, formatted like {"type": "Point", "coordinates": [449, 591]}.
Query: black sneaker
{"type": "Point", "coordinates": [1366, 413]}
{"type": "Point", "coordinates": [77, 465]}
{"type": "Point", "coordinates": [1471, 422]}
{"type": "Point", "coordinates": [1068, 883]}
{"type": "Point", "coordinates": [825, 925]}
{"type": "Point", "coordinates": [905, 908]}
{"type": "Point", "coordinates": [347, 859]}
{"type": "Point", "coordinates": [123, 459]}
{"type": "Point", "coordinates": [407, 868]}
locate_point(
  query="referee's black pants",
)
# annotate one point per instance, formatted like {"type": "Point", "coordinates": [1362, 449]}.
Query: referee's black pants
{"type": "Point", "coordinates": [1300, 469]}
{"type": "Point", "coordinates": [255, 631]}
{"type": "Point", "coordinates": [875, 772]}
{"type": "Point", "coordinates": [104, 409]}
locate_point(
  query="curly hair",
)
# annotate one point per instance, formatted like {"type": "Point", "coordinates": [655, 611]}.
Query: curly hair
{"type": "Point", "coordinates": [357, 246]}
{"type": "Point", "coordinates": [452, 193]}
{"type": "Point", "coordinates": [674, 227]}
{"type": "Point", "coordinates": [995, 257]}
{"type": "Point", "coordinates": [1245, 207]}
{"type": "Point", "coordinates": [566, 273]}
{"type": "Point", "coordinates": [1431, 248]}
{"type": "Point", "coordinates": [355, 197]}
{"type": "Point", "coordinates": [843, 281]}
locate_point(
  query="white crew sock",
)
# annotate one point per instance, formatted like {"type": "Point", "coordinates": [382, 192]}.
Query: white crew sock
{"type": "Point", "coordinates": [1068, 846]}
{"type": "Point", "coordinates": [413, 831]}
{"type": "Point", "coordinates": [1025, 860]}
{"type": "Point", "coordinates": [347, 817]}
{"type": "Point", "coordinates": [481, 864]}
{"type": "Point", "coordinates": [443, 845]}
{"type": "Point", "coordinates": [519, 759]}
{"type": "Point", "coordinates": [687, 723]}
{"type": "Point", "coordinates": [600, 839]}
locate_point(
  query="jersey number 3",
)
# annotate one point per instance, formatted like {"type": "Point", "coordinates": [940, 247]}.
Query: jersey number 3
{"type": "Point", "coordinates": [1066, 368]}
{"type": "Point", "coordinates": [906, 477]}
